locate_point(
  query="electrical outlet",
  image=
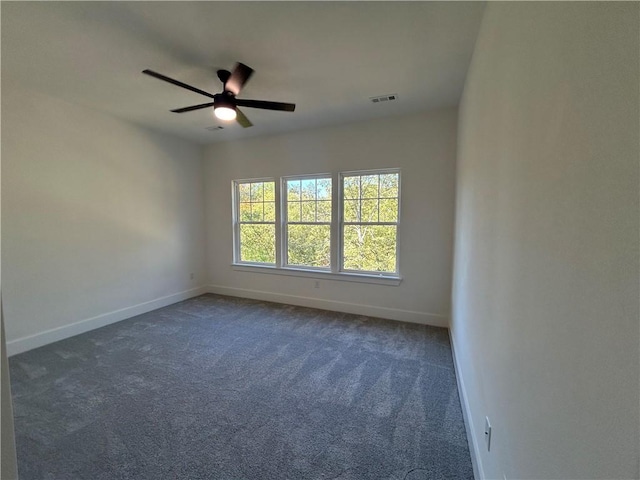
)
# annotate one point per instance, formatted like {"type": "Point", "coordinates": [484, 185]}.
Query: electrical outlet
{"type": "Point", "coordinates": [317, 284]}
{"type": "Point", "coordinates": [487, 433]}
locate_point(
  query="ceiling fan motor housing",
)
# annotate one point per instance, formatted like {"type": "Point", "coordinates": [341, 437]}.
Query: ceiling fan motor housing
{"type": "Point", "coordinates": [224, 100]}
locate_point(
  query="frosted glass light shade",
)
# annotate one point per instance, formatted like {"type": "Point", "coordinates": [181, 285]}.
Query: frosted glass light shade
{"type": "Point", "coordinates": [225, 113]}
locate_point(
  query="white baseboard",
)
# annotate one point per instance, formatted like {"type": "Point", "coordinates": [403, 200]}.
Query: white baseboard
{"type": "Point", "coordinates": [472, 439]}
{"type": "Point", "coordinates": [30, 342]}
{"type": "Point", "coordinates": [432, 319]}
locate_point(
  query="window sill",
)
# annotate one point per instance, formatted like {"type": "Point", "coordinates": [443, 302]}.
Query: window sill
{"type": "Point", "coordinates": [319, 274]}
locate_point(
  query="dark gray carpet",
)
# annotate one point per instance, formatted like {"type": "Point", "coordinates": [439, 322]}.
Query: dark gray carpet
{"type": "Point", "coordinates": [223, 388]}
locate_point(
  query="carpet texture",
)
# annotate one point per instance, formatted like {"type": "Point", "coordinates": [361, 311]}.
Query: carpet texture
{"type": "Point", "coordinates": [225, 388]}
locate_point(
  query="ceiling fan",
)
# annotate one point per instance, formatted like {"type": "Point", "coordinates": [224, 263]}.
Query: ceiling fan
{"type": "Point", "coordinates": [225, 104]}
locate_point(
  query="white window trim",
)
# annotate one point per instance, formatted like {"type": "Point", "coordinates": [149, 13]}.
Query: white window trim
{"type": "Point", "coordinates": [318, 274]}
{"type": "Point", "coordinates": [336, 272]}
{"type": "Point", "coordinates": [235, 207]}
{"type": "Point", "coordinates": [342, 223]}
{"type": "Point", "coordinates": [284, 228]}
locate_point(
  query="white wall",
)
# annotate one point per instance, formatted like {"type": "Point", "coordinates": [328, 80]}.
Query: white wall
{"type": "Point", "coordinates": [423, 146]}
{"type": "Point", "coordinates": [99, 217]}
{"type": "Point", "coordinates": [545, 314]}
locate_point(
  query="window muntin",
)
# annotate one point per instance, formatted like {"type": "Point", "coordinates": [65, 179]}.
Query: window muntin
{"type": "Point", "coordinates": [256, 221]}
{"type": "Point", "coordinates": [370, 215]}
{"type": "Point", "coordinates": [308, 207]}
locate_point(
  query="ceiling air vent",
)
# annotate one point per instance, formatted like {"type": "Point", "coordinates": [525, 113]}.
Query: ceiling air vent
{"type": "Point", "coordinates": [384, 98]}
{"type": "Point", "coordinates": [214, 128]}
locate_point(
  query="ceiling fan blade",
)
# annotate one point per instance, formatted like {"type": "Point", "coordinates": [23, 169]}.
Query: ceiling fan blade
{"type": "Point", "coordinates": [192, 108]}
{"type": "Point", "coordinates": [238, 78]}
{"type": "Point", "coordinates": [176, 82]}
{"type": "Point", "coordinates": [242, 119]}
{"type": "Point", "coordinates": [285, 107]}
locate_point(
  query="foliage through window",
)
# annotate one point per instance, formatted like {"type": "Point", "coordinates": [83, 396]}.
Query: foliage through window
{"type": "Point", "coordinates": [256, 213]}
{"type": "Point", "coordinates": [370, 222]}
{"type": "Point", "coordinates": [290, 223]}
{"type": "Point", "coordinates": [308, 224]}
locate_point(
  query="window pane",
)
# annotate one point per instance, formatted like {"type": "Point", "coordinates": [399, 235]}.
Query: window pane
{"type": "Point", "coordinates": [324, 189]}
{"type": "Point", "coordinates": [369, 186]}
{"type": "Point", "coordinates": [352, 210]}
{"type": "Point", "coordinates": [258, 243]}
{"type": "Point", "coordinates": [308, 189]}
{"type": "Point", "coordinates": [308, 211]}
{"type": "Point", "coordinates": [309, 245]}
{"type": "Point", "coordinates": [293, 214]}
{"type": "Point", "coordinates": [257, 191]}
{"type": "Point", "coordinates": [370, 248]}
{"type": "Point", "coordinates": [351, 187]}
{"type": "Point", "coordinates": [245, 212]}
{"type": "Point", "coordinates": [293, 190]}
{"type": "Point", "coordinates": [269, 191]}
{"type": "Point", "coordinates": [389, 210]}
{"type": "Point", "coordinates": [269, 210]}
{"type": "Point", "coordinates": [389, 185]}
{"type": "Point", "coordinates": [324, 210]}
{"type": "Point", "coordinates": [369, 210]}
{"type": "Point", "coordinates": [256, 212]}
{"type": "Point", "coordinates": [244, 189]}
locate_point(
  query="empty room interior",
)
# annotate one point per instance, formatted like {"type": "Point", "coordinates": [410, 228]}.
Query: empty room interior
{"type": "Point", "coordinates": [320, 240]}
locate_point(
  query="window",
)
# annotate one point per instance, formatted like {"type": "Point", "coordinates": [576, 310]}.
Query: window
{"type": "Point", "coordinates": [308, 221]}
{"type": "Point", "coordinates": [370, 222]}
{"type": "Point", "coordinates": [255, 213]}
{"type": "Point", "coordinates": [304, 224]}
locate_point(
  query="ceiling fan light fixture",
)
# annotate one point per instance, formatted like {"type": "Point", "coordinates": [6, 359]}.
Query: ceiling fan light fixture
{"type": "Point", "coordinates": [224, 107]}
{"type": "Point", "coordinates": [225, 113]}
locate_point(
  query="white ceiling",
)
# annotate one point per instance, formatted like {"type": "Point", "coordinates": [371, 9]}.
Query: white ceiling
{"type": "Point", "coordinates": [327, 57]}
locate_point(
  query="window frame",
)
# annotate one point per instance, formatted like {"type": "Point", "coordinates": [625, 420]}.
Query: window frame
{"type": "Point", "coordinates": [336, 271]}
{"type": "Point", "coordinates": [284, 214]}
{"type": "Point", "coordinates": [237, 252]}
{"type": "Point", "coordinates": [342, 223]}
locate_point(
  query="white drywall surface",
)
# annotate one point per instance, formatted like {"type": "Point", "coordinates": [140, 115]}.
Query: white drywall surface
{"type": "Point", "coordinates": [545, 313]}
{"type": "Point", "coordinates": [98, 215]}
